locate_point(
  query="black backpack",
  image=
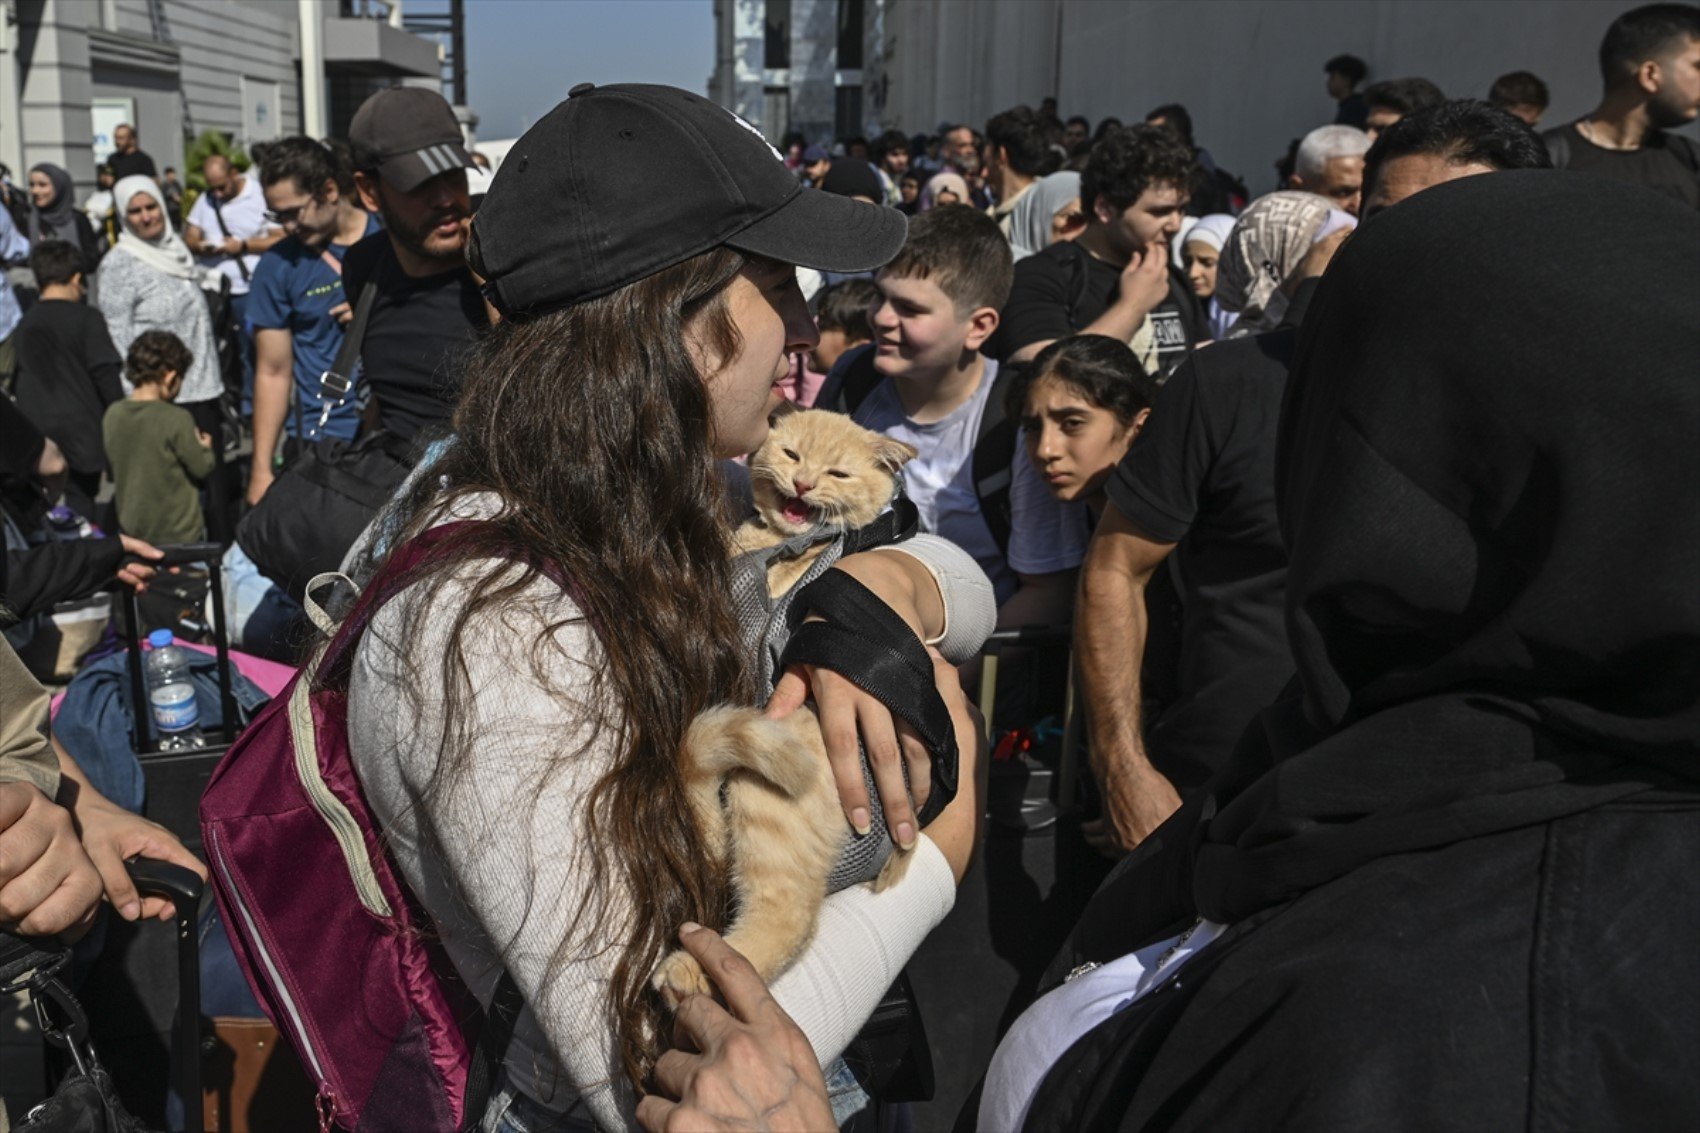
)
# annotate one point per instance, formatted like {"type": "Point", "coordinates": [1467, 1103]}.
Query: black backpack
{"type": "Point", "coordinates": [994, 444]}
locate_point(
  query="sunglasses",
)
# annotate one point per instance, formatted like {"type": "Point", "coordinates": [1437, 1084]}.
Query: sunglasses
{"type": "Point", "coordinates": [285, 217]}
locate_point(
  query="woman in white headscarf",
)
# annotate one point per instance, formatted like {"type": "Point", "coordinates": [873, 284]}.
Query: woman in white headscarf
{"type": "Point", "coordinates": [1198, 253]}
{"type": "Point", "coordinates": [1270, 238]}
{"type": "Point", "coordinates": [1046, 213]}
{"type": "Point", "coordinates": [150, 281]}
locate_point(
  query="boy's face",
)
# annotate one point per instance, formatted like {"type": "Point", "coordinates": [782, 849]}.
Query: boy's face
{"type": "Point", "coordinates": [917, 329]}
{"type": "Point", "coordinates": [1155, 215]}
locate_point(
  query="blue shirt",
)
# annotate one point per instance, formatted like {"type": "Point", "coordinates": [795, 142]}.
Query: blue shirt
{"type": "Point", "coordinates": [294, 289]}
{"type": "Point", "coordinates": [14, 249]}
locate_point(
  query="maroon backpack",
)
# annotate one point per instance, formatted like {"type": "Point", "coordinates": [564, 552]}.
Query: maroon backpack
{"type": "Point", "coordinates": [337, 950]}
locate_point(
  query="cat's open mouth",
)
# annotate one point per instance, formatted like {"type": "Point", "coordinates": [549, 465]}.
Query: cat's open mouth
{"type": "Point", "coordinates": [797, 511]}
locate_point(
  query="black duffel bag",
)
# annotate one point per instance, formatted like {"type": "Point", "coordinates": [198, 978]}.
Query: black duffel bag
{"type": "Point", "coordinates": [330, 489]}
{"type": "Point", "coordinates": [315, 510]}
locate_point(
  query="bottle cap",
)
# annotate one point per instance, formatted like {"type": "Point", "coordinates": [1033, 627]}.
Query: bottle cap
{"type": "Point", "coordinates": [159, 638]}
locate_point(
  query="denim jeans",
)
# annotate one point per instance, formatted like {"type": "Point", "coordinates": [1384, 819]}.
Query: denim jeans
{"type": "Point", "coordinates": [510, 1111]}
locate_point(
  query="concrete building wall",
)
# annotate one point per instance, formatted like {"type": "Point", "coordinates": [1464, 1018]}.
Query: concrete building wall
{"type": "Point", "coordinates": [219, 63]}
{"type": "Point", "coordinates": [225, 44]}
{"type": "Point", "coordinates": [55, 89]}
{"type": "Point", "coordinates": [1250, 71]}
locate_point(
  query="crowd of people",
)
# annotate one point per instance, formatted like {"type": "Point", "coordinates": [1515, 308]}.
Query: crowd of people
{"type": "Point", "coordinates": [1362, 497]}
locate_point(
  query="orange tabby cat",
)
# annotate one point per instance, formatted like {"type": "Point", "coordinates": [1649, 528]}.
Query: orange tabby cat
{"type": "Point", "coordinates": [818, 474]}
{"type": "Point", "coordinates": [762, 789]}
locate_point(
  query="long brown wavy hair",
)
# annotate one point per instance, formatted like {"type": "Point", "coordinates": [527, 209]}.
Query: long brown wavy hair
{"type": "Point", "coordinates": [592, 425]}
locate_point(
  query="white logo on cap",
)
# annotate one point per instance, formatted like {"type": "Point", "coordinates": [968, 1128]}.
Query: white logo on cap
{"type": "Point", "coordinates": [739, 119]}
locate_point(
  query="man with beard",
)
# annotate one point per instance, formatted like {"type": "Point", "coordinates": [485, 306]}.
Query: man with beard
{"type": "Point", "coordinates": [1650, 62]}
{"type": "Point", "coordinates": [410, 168]}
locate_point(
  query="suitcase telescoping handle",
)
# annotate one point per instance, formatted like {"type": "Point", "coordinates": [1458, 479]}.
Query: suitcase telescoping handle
{"type": "Point", "coordinates": [179, 554]}
{"type": "Point", "coordinates": [183, 888]}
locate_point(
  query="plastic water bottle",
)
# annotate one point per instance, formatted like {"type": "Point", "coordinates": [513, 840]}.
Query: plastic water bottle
{"type": "Point", "coordinates": [172, 694]}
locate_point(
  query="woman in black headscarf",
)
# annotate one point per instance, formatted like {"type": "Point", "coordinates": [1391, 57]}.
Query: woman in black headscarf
{"type": "Point", "coordinates": [55, 215]}
{"type": "Point", "coordinates": [1452, 879]}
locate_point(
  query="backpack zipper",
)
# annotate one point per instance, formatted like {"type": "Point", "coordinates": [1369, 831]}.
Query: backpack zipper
{"type": "Point", "coordinates": [234, 893]}
{"type": "Point", "coordinates": [331, 808]}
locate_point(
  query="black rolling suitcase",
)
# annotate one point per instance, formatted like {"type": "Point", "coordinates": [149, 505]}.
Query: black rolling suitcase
{"type": "Point", "coordinates": [134, 1017]}
{"type": "Point", "coordinates": [87, 1097]}
{"type": "Point", "coordinates": [176, 778]}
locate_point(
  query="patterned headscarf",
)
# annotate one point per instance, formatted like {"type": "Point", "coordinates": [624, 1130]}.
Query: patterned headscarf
{"type": "Point", "coordinates": [1267, 243]}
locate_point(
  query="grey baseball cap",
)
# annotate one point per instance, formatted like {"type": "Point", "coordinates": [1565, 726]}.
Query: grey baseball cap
{"type": "Point", "coordinates": [407, 135]}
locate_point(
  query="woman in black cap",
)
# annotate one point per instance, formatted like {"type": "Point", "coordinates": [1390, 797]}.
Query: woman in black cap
{"type": "Point", "coordinates": [1448, 881]}
{"type": "Point", "coordinates": [516, 713]}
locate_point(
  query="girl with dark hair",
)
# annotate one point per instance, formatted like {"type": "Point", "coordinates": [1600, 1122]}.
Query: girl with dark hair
{"type": "Point", "coordinates": [516, 713]}
{"type": "Point", "coordinates": [1081, 402]}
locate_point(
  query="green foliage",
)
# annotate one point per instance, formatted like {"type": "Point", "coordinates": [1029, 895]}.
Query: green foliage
{"type": "Point", "coordinates": [209, 143]}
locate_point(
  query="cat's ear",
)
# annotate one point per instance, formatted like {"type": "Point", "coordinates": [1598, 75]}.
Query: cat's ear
{"type": "Point", "coordinates": [892, 453]}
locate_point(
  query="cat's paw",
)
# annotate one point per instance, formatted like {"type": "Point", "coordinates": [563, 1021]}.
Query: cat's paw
{"type": "Point", "coordinates": [679, 977]}
{"type": "Point", "coordinates": [896, 865]}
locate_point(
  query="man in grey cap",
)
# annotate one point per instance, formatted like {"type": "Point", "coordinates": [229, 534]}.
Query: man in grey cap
{"type": "Point", "coordinates": [410, 167]}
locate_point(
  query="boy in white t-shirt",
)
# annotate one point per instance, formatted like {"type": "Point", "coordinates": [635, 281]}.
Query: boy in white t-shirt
{"type": "Point", "coordinates": [939, 302]}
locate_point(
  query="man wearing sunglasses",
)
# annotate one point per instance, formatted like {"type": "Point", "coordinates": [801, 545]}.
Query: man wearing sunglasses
{"type": "Point", "coordinates": [297, 306]}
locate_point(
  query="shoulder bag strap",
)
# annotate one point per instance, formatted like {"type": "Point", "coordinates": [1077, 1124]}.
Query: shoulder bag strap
{"type": "Point", "coordinates": [490, 1050]}
{"type": "Point", "coordinates": [218, 215]}
{"type": "Point", "coordinates": [865, 642]}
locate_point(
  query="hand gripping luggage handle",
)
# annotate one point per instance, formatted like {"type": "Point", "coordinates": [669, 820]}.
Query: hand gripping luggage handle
{"type": "Point", "coordinates": [183, 887]}
{"type": "Point", "coordinates": [870, 646]}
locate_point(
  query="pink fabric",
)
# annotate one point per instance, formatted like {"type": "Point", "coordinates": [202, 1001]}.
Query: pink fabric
{"type": "Point", "coordinates": [271, 676]}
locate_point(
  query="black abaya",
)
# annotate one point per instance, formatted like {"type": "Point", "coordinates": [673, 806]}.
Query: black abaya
{"type": "Point", "coordinates": [1460, 856]}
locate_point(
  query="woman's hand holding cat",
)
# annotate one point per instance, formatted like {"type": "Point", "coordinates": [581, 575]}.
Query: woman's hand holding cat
{"type": "Point", "coordinates": [745, 1066]}
{"type": "Point", "coordinates": [846, 713]}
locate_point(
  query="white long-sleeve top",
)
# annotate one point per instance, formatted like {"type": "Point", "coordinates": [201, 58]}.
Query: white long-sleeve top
{"type": "Point", "coordinates": [514, 863]}
{"type": "Point", "coordinates": [135, 297]}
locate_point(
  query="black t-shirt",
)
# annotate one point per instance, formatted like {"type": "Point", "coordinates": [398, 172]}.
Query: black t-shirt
{"type": "Point", "coordinates": [1201, 474]}
{"type": "Point", "coordinates": [1059, 291]}
{"type": "Point", "coordinates": [1666, 163]}
{"type": "Point", "coordinates": [416, 336]}
{"type": "Point", "coordinates": [67, 375]}
{"type": "Point", "coordinates": [131, 164]}
{"type": "Point", "coordinates": [1352, 111]}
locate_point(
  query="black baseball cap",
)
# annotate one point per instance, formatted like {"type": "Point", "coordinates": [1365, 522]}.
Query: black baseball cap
{"type": "Point", "coordinates": [407, 135]}
{"type": "Point", "coordinates": [619, 182]}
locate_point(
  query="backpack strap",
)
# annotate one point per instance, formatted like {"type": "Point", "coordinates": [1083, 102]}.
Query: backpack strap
{"type": "Point", "coordinates": [994, 454]}
{"type": "Point", "coordinates": [1073, 259]}
{"type": "Point", "coordinates": [398, 572]}
{"type": "Point", "coordinates": [896, 525]}
{"type": "Point", "coordinates": [491, 1050]}
{"type": "Point", "coordinates": [870, 646]}
{"type": "Point", "coordinates": [857, 382]}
